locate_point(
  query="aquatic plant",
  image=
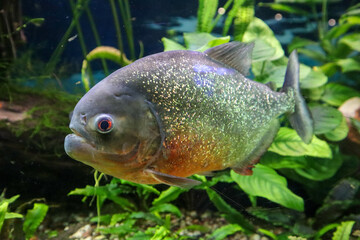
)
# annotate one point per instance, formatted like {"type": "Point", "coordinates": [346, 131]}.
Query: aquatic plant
{"type": "Point", "coordinates": [9, 228]}
{"type": "Point", "coordinates": [78, 8]}
{"type": "Point", "coordinates": [325, 174]}
{"type": "Point", "coordinates": [239, 16]}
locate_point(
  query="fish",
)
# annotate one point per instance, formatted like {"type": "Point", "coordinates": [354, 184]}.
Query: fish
{"type": "Point", "coordinates": [174, 114]}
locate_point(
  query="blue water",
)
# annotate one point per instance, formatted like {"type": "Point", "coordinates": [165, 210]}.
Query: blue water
{"type": "Point", "coordinates": [151, 21]}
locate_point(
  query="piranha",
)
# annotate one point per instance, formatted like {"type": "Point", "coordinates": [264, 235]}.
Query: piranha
{"type": "Point", "coordinates": [170, 115]}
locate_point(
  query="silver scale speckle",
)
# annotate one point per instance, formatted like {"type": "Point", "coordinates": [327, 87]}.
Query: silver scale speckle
{"type": "Point", "coordinates": [207, 101]}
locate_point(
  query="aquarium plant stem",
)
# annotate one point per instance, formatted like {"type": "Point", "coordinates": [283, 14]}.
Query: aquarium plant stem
{"type": "Point", "coordinates": [61, 46]}
{"type": "Point", "coordinates": [96, 36]}
{"type": "Point", "coordinates": [323, 26]}
{"type": "Point", "coordinates": [218, 16]}
{"type": "Point", "coordinates": [117, 27]}
{"type": "Point", "coordinates": [126, 16]}
{"type": "Point", "coordinates": [97, 179]}
{"type": "Point", "coordinates": [81, 36]}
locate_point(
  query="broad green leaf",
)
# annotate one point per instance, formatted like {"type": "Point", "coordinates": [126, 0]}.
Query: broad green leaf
{"type": "Point", "coordinates": [33, 219]}
{"type": "Point", "coordinates": [325, 118]}
{"type": "Point", "coordinates": [168, 195]}
{"type": "Point", "coordinates": [214, 42]}
{"type": "Point", "coordinates": [262, 51]}
{"type": "Point", "coordinates": [265, 182]}
{"type": "Point", "coordinates": [276, 161]}
{"type": "Point", "coordinates": [352, 40]}
{"type": "Point", "coordinates": [288, 143]}
{"type": "Point", "coordinates": [166, 207]}
{"type": "Point", "coordinates": [258, 29]}
{"type": "Point", "coordinates": [339, 133]}
{"type": "Point", "coordinates": [202, 41]}
{"type": "Point", "coordinates": [3, 210]}
{"type": "Point", "coordinates": [224, 231]}
{"type": "Point", "coordinates": [343, 231]}
{"type": "Point", "coordinates": [313, 79]}
{"type": "Point", "coordinates": [170, 45]}
{"type": "Point", "coordinates": [277, 75]}
{"type": "Point", "coordinates": [349, 64]}
{"type": "Point", "coordinates": [329, 69]}
{"type": "Point", "coordinates": [230, 213]}
{"type": "Point", "coordinates": [336, 94]}
{"type": "Point", "coordinates": [319, 169]}
{"type": "Point", "coordinates": [283, 217]}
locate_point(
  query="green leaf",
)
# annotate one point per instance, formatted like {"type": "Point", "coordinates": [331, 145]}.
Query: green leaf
{"type": "Point", "coordinates": [312, 53]}
{"type": "Point", "coordinates": [283, 217]}
{"type": "Point", "coordinates": [325, 118]}
{"type": "Point", "coordinates": [265, 182]}
{"type": "Point", "coordinates": [324, 230]}
{"type": "Point", "coordinates": [109, 191]}
{"type": "Point", "coordinates": [336, 94]}
{"type": "Point", "coordinates": [288, 143]}
{"type": "Point", "coordinates": [10, 215]}
{"type": "Point", "coordinates": [3, 210]}
{"type": "Point", "coordinates": [202, 41]}
{"type": "Point", "coordinates": [166, 207]}
{"type": "Point", "coordinates": [298, 42]}
{"type": "Point", "coordinates": [224, 231]}
{"type": "Point", "coordinates": [343, 231]}
{"type": "Point", "coordinates": [170, 45]}
{"type": "Point", "coordinates": [339, 133]}
{"type": "Point", "coordinates": [262, 51]}
{"type": "Point", "coordinates": [276, 161]}
{"type": "Point", "coordinates": [319, 169]}
{"type": "Point", "coordinates": [230, 213]}
{"type": "Point", "coordinates": [284, 8]}
{"type": "Point", "coordinates": [352, 40]}
{"type": "Point", "coordinates": [33, 219]}
{"type": "Point", "coordinates": [313, 79]}
{"type": "Point", "coordinates": [168, 195]}
{"type": "Point", "coordinates": [206, 12]}
{"type": "Point", "coordinates": [160, 233]}
{"type": "Point", "coordinates": [258, 29]}
{"type": "Point", "coordinates": [125, 228]}
{"type": "Point", "coordinates": [349, 64]}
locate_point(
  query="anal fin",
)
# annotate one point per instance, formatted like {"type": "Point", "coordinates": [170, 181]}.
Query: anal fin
{"type": "Point", "coordinates": [173, 180]}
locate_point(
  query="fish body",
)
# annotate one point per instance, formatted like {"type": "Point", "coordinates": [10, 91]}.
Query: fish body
{"type": "Point", "coordinates": [178, 113]}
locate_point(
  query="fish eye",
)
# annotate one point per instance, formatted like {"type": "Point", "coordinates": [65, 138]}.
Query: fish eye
{"type": "Point", "coordinates": [104, 123]}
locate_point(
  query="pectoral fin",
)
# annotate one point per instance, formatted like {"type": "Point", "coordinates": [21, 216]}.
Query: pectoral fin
{"type": "Point", "coordinates": [173, 180]}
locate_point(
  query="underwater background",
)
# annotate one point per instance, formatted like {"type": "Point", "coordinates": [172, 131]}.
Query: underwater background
{"type": "Point", "coordinates": [52, 52]}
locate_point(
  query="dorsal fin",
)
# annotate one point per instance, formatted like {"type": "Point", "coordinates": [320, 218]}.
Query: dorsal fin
{"type": "Point", "coordinates": [234, 54]}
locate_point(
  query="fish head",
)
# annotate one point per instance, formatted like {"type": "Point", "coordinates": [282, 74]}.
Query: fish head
{"type": "Point", "coordinates": [114, 130]}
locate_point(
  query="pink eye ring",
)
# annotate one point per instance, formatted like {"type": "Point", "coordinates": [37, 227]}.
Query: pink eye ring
{"type": "Point", "coordinates": [104, 124]}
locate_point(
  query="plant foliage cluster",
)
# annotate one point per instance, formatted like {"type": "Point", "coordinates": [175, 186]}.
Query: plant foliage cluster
{"type": "Point", "coordinates": [327, 177]}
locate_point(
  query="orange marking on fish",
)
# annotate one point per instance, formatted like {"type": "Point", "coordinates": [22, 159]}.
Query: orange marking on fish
{"type": "Point", "coordinates": [187, 155]}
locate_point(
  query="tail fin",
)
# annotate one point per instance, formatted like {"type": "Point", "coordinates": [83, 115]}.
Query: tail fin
{"type": "Point", "coordinates": [301, 119]}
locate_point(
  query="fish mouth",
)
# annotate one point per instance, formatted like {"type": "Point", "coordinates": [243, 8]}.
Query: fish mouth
{"type": "Point", "coordinates": [80, 149]}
